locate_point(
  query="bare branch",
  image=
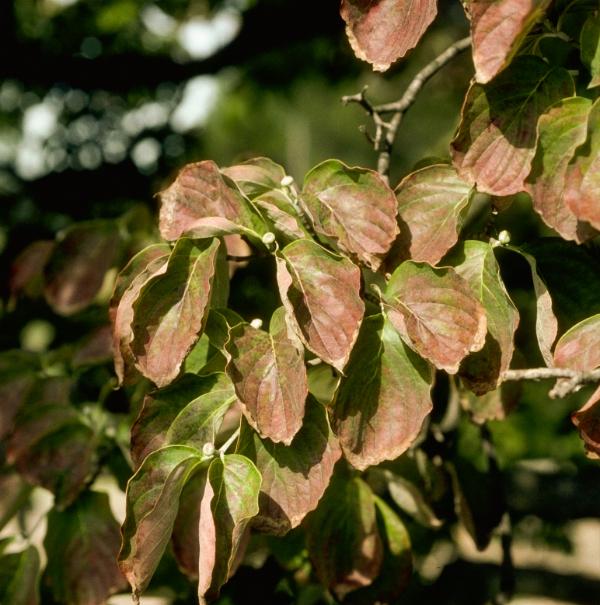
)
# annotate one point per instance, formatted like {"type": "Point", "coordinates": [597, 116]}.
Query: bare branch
{"type": "Point", "coordinates": [387, 130]}
{"type": "Point", "coordinates": [568, 381]}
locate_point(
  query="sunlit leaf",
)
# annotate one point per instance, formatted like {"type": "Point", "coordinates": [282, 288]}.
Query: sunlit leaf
{"type": "Point", "coordinates": [283, 216]}
{"type": "Point", "coordinates": [436, 313]}
{"type": "Point", "coordinates": [152, 503]}
{"type": "Point", "coordinates": [171, 309]}
{"type": "Point", "coordinates": [587, 420]}
{"type": "Point", "coordinates": [256, 176]}
{"type": "Point", "coordinates": [294, 476]}
{"type": "Point", "coordinates": [497, 29]}
{"type": "Point", "coordinates": [384, 398]}
{"type": "Point", "coordinates": [352, 207]}
{"type": "Point", "coordinates": [385, 31]}
{"type": "Point", "coordinates": [579, 347]}
{"type": "Point", "coordinates": [431, 204]}
{"type": "Point", "coordinates": [590, 48]}
{"type": "Point", "coordinates": [476, 263]}
{"type": "Point", "coordinates": [82, 543]}
{"type": "Point", "coordinates": [269, 375]}
{"type": "Point", "coordinates": [343, 539]}
{"type": "Point", "coordinates": [495, 142]}
{"type": "Point", "coordinates": [321, 294]}
{"type": "Point", "coordinates": [19, 577]}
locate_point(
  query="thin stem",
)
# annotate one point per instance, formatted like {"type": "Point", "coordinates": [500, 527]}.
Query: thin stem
{"type": "Point", "coordinates": [223, 449]}
{"type": "Point", "coordinates": [569, 381]}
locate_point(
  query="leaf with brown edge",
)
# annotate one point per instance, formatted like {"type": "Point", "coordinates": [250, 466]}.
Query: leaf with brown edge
{"type": "Point", "coordinates": [321, 295]}
{"type": "Point", "coordinates": [145, 265]}
{"type": "Point", "coordinates": [269, 376]}
{"type": "Point", "coordinates": [352, 207]}
{"type": "Point", "coordinates": [26, 272]}
{"type": "Point", "coordinates": [203, 202]}
{"type": "Point", "coordinates": [435, 313]}
{"type": "Point", "coordinates": [497, 29]}
{"type": "Point", "coordinates": [187, 412]}
{"type": "Point", "coordinates": [589, 43]}
{"type": "Point", "coordinates": [82, 543]}
{"type": "Point", "coordinates": [561, 130]}
{"type": "Point", "coordinates": [53, 448]}
{"type": "Point", "coordinates": [79, 263]}
{"type": "Point", "coordinates": [476, 263]}
{"type": "Point", "coordinates": [431, 205]}
{"type": "Point", "coordinates": [19, 577]}
{"type": "Point", "coordinates": [382, 32]}
{"type": "Point", "coordinates": [583, 181]}
{"type": "Point", "coordinates": [579, 347]}
{"type": "Point", "coordinates": [495, 142]}
{"type": "Point", "coordinates": [385, 397]}
{"type": "Point", "coordinates": [587, 420]}
{"type": "Point", "coordinates": [343, 540]}
{"type": "Point", "coordinates": [170, 311]}
{"type": "Point", "coordinates": [152, 503]}
{"type": "Point", "coordinates": [229, 502]}
{"type": "Point", "coordinates": [256, 176]}
{"type": "Point", "coordinates": [294, 477]}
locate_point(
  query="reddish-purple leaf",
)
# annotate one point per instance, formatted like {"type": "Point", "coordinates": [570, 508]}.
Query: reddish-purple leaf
{"type": "Point", "coordinates": [476, 263]}
{"type": "Point", "coordinates": [560, 132]}
{"type": "Point", "coordinates": [95, 348]}
{"type": "Point", "coordinates": [170, 311]}
{"type": "Point", "coordinates": [495, 142]}
{"type": "Point", "coordinates": [343, 539]}
{"type": "Point", "coordinates": [431, 204]}
{"type": "Point", "coordinates": [202, 202]}
{"type": "Point", "coordinates": [27, 270]}
{"type": "Point", "coordinates": [152, 503]}
{"type": "Point", "coordinates": [587, 420]}
{"type": "Point", "coordinates": [579, 347]}
{"type": "Point", "coordinates": [256, 176]}
{"type": "Point", "coordinates": [82, 543]}
{"type": "Point", "coordinates": [321, 294]}
{"type": "Point", "coordinates": [229, 502]}
{"type": "Point", "coordinates": [282, 215]}
{"type": "Point", "coordinates": [77, 268]}
{"type": "Point", "coordinates": [436, 313]}
{"type": "Point", "coordinates": [384, 31]}
{"type": "Point", "coordinates": [352, 207]}
{"type": "Point", "coordinates": [497, 29]}
{"type": "Point", "coordinates": [269, 376]}
{"type": "Point", "coordinates": [295, 476]}
{"type": "Point", "coordinates": [384, 398]}
{"type": "Point", "coordinates": [148, 263]}
{"type": "Point", "coordinates": [16, 383]}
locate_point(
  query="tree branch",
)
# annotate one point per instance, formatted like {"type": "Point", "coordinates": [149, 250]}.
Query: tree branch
{"type": "Point", "coordinates": [387, 130]}
{"type": "Point", "coordinates": [568, 381]}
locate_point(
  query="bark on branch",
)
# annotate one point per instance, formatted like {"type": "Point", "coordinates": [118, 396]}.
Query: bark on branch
{"type": "Point", "coordinates": [568, 381]}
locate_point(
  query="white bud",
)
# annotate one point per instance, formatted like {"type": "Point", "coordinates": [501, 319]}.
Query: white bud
{"type": "Point", "coordinates": [504, 237]}
{"type": "Point", "coordinates": [268, 238]}
{"type": "Point", "coordinates": [256, 323]}
{"type": "Point", "coordinates": [287, 181]}
{"type": "Point", "coordinates": [208, 449]}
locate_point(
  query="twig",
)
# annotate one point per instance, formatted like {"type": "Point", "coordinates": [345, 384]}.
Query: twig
{"type": "Point", "coordinates": [569, 381]}
{"type": "Point", "coordinates": [223, 449]}
{"type": "Point", "coordinates": [387, 130]}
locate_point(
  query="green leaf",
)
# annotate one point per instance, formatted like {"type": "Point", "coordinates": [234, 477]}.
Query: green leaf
{"type": "Point", "coordinates": [82, 543]}
{"type": "Point", "coordinates": [495, 142]}
{"type": "Point", "coordinates": [498, 28]}
{"type": "Point", "coordinates": [411, 499]}
{"type": "Point", "coordinates": [590, 48]}
{"type": "Point", "coordinates": [19, 577]}
{"type": "Point", "coordinates": [385, 31]}
{"type": "Point", "coordinates": [76, 270]}
{"type": "Point", "coordinates": [152, 503]}
{"type": "Point", "coordinates": [294, 477]}
{"type": "Point", "coordinates": [229, 502]}
{"type": "Point", "coordinates": [187, 412]}
{"type": "Point", "coordinates": [203, 202]}
{"type": "Point", "coordinates": [396, 569]}
{"type": "Point", "coordinates": [343, 539]}
{"type": "Point", "coordinates": [352, 207]}
{"type": "Point", "coordinates": [269, 376]}
{"type": "Point", "coordinates": [431, 205]}
{"type": "Point", "coordinates": [256, 176]}
{"type": "Point", "coordinates": [53, 448]}
{"type": "Point", "coordinates": [170, 311]}
{"type": "Point", "coordinates": [14, 493]}
{"type": "Point", "coordinates": [385, 397]}
{"type": "Point", "coordinates": [435, 313]}
{"type": "Point", "coordinates": [579, 347]}
{"type": "Point", "coordinates": [137, 273]}
{"type": "Point", "coordinates": [321, 295]}
{"type": "Point", "coordinates": [476, 263]}
{"type": "Point", "coordinates": [560, 132]}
